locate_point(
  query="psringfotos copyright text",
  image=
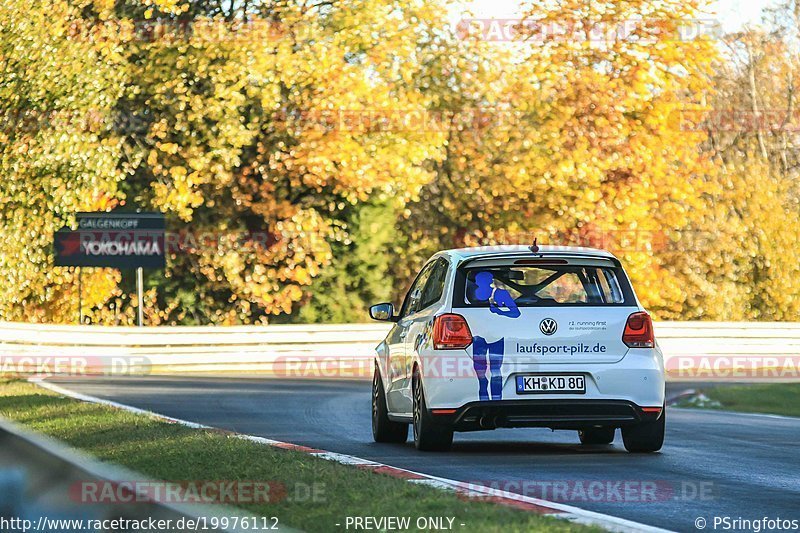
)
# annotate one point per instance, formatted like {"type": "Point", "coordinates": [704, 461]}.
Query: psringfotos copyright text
{"type": "Point", "coordinates": [730, 523]}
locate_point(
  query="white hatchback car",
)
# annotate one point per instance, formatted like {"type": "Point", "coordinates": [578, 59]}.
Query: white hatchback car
{"type": "Point", "coordinates": [519, 336]}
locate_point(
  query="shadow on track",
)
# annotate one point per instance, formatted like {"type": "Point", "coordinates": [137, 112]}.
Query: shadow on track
{"type": "Point", "coordinates": [507, 448]}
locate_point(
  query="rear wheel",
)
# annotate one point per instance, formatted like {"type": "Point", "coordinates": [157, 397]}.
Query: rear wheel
{"type": "Point", "coordinates": [384, 429]}
{"type": "Point", "coordinates": [428, 435]}
{"type": "Point", "coordinates": [647, 437]}
{"type": "Point", "coordinates": [596, 435]}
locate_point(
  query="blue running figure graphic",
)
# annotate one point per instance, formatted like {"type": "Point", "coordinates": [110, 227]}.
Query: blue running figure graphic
{"type": "Point", "coordinates": [489, 355]}
{"type": "Point", "coordinates": [500, 300]}
{"type": "Point", "coordinates": [494, 350]}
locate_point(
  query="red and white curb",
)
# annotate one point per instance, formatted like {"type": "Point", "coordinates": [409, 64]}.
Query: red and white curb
{"type": "Point", "coordinates": [468, 490]}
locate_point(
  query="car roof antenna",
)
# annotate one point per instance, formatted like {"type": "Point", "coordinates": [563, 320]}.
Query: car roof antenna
{"type": "Point", "coordinates": [534, 247]}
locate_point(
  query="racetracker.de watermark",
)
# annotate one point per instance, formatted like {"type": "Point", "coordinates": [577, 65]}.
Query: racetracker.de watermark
{"type": "Point", "coordinates": [735, 120]}
{"type": "Point", "coordinates": [595, 490]}
{"type": "Point", "coordinates": [743, 367]}
{"type": "Point", "coordinates": [313, 367]}
{"type": "Point", "coordinates": [149, 242]}
{"type": "Point", "coordinates": [74, 365]}
{"type": "Point", "coordinates": [615, 240]}
{"type": "Point", "coordinates": [187, 241]}
{"type": "Point", "coordinates": [403, 120]}
{"type": "Point", "coordinates": [205, 491]}
{"type": "Point", "coordinates": [632, 30]}
{"type": "Point", "coordinates": [335, 120]}
{"type": "Point", "coordinates": [31, 121]}
{"type": "Point", "coordinates": [198, 31]}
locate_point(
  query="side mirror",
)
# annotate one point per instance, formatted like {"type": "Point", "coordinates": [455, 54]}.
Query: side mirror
{"type": "Point", "coordinates": [384, 312]}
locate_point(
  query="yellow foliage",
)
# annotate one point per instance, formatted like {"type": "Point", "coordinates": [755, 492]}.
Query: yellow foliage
{"type": "Point", "coordinates": [267, 131]}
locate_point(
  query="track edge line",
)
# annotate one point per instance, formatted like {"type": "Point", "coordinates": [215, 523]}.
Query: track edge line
{"type": "Point", "coordinates": [559, 510]}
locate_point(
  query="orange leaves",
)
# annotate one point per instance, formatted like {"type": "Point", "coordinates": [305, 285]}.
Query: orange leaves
{"type": "Point", "coordinates": [320, 125]}
{"type": "Point", "coordinates": [616, 95]}
{"type": "Point", "coordinates": [173, 7]}
{"type": "Point", "coordinates": [593, 148]}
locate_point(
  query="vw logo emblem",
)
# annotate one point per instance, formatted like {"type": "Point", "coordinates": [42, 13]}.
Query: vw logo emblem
{"type": "Point", "coordinates": [548, 326]}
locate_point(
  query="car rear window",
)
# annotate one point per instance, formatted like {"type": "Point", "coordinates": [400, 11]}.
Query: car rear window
{"type": "Point", "coordinates": [541, 286]}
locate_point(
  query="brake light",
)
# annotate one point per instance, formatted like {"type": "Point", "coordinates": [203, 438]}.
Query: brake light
{"type": "Point", "coordinates": [639, 331]}
{"type": "Point", "coordinates": [451, 332]}
{"type": "Point", "coordinates": [541, 262]}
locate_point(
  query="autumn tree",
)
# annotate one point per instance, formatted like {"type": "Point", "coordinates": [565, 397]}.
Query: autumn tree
{"type": "Point", "coordinates": [263, 122]}
{"type": "Point", "coordinates": [485, 127]}
{"type": "Point", "coordinates": [587, 154]}
{"type": "Point", "coordinates": [360, 273]}
{"type": "Point", "coordinates": [58, 151]}
{"type": "Point", "coordinates": [745, 253]}
{"type": "Point", "coordinates": [310, 155]}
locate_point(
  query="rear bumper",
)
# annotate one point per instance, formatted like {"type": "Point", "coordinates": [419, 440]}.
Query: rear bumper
{"type": "Point", "coordinates": [556, 414]}
{"type": "Point", "coordinates": [638, 379]}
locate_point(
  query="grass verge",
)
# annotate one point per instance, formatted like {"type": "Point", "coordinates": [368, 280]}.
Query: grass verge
{"type": "Point", "coordinates": [175, 453]}
{"type": "Point", "coordinates": [771, 398]}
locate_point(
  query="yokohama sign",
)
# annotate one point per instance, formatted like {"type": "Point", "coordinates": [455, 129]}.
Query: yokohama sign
{"type": "Point", "coordinates": [114, 240]}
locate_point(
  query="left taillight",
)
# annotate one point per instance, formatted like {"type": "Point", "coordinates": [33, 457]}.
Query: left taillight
{"type": "Point", "coordinates": [639, 331]}
{"type": "Point", "coordinates": [451, 332]}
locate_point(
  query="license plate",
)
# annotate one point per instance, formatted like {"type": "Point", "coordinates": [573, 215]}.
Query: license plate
{"type": "Point", "coordinates": [551, 384]}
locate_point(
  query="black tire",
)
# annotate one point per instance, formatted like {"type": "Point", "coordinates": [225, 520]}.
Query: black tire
{"type": "Point", "coordinates": [603, 435]}
{"type": "Point", "coordinates": [384, 429]}
{"type": "Point", "coordinates": [647, 437]}
{"type": "Point", "coordinates": [428, 435]}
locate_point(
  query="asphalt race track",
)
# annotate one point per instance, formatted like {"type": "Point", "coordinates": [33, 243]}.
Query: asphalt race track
{"type": "Point", "coordinates": [713, 463]}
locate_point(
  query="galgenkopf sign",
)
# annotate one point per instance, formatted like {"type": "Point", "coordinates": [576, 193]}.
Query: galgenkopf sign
{"type": "Point", "coordinates": [113, 240]}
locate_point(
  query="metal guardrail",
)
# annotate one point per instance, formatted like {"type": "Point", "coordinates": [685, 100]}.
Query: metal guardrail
{"type": "Point", "coordinates": [38, 480]}
{"type": "Point", "coordinates": [36, 472]}
{"type": "Point", "coordinates": [346, 350]}
{"type": "Point", "coordinates": [342, 350]}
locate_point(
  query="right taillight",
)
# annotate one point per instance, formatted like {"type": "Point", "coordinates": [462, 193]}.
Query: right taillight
{"type": "Point", "coordinates": [639, 331]}
{"type": "Point", "coordinates": [451, 332]}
